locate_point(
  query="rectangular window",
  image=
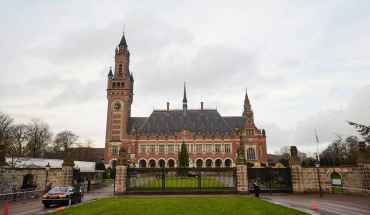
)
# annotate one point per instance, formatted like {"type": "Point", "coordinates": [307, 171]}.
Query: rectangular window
{"type": "Point", "coordinates": [142, 149]}
{"type": "Point", "coordinates": [161, 149]}
{"type": "Point", "coordinates": [151, 149]}
{"type": "Point", "coordinates": [208, 148]}
{"type": "Point", "coordinates": [218, 148]}
{"type": "Point", "coordinates": [227, 148]}
{"type": "Point", "coordinates": [191, 148]}
{"type": "Point", "coordinates": [128, 150]}
{"type": "Point", "coordinates": [187, 148]}
{"type": "Point", "coordinates": [115, 150]}
{"type": "Point", "coordinates": [199, 149]}
{"type": "Point", "coordinates": [170, 149]}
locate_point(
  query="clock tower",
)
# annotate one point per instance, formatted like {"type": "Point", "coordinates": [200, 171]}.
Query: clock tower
{"type": "Point", "coordinates": [120, 97]}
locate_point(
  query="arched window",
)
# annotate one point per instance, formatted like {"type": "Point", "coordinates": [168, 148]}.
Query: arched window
{"type": "Point", "coordinates": [209, 163]}
{"type": "Point", "coordinates": [251, 154]}
{"type": "Point", "coordinates": [227, 163]}
{"type": "Point", "coordinates": [118, 85]}
{"type": "Point", "coordinates": [114, 85]}
{"type": "Point", "coordinates": [199, 163]}
{"type": "Point", "coordinates": [120, 72]}
{"type": "Point", "coordinates": [152, 164]}
{"type": "Point", "coordinates": [123, 85]}
{"type": "Point", "coordinates": [171, 163]}
{"type": "Point", "coordinates": [142, 163]}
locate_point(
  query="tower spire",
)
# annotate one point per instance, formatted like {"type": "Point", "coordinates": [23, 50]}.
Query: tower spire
{"type": "Point", "coordinates": [184, 102]}
{"type": "Point", "coordinates": [247, 105]}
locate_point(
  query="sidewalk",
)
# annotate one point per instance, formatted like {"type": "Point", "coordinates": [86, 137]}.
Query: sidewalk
{"type": "Point", "coordinates": [328, 204]}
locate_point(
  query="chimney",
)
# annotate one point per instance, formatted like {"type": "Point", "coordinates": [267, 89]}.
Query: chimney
{"type": "Point", "coordinates": [168, 108]}
{"type": "Point", "coordinates": [201, 108]}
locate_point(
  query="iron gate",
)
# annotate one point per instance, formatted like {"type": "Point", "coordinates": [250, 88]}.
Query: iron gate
{"type": "Point", "coordinates": [181, 180]}
{"type": "Point", "coordinates": [271, 180]}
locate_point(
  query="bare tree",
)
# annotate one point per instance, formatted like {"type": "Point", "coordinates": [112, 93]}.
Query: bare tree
{"type": "Point", "coordinates": [60, 142]}
{"type": "Point", "coordinates": [5, 124]}
{"type": "Point", "coordinates": [38, 137]}
{"type": "Point", "coordinates": [284, 152]}
{"type": "Point", "coordinates": [17, 147]}
{"type": "Point", "coordinates": [89, 144]}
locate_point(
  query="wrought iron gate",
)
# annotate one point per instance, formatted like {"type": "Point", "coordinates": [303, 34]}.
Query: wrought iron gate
{"type": "Point", "coordinates": [271, 180]}
{"type": "Point", "coordinates": [181, 180]}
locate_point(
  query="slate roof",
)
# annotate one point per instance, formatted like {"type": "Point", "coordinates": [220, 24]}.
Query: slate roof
{"type": "Point", "coordinates": [161, 123]}
{"type": "Point", "coordinates": [123, 41]}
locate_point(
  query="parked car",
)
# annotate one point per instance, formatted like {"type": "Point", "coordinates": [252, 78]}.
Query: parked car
{"type": "Point", "coordinates": [134, 173]}
{"type": "Point", "coordinates": [192, 175]}
{"type": "Point", "coordinates": [62, 196]}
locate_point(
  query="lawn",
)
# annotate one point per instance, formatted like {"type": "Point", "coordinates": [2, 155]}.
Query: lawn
{"type": "Point", "coordinates": [182, 184]}
{"type": "Point", "coordinates": [110, 182]}
{"type": "Point", "coordinates": [180, 205]}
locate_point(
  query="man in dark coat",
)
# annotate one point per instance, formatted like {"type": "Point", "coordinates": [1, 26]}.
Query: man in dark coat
{"type": "Point", "coordinates": [88, 184]}
{"type": "Point", "coordinates": [48, 188]}
{"type": "Point", "coordinates": [256, 188]}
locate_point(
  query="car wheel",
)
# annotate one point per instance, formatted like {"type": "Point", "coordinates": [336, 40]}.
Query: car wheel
{"type": "Point", "coordinates": [82, 199]}
{"type": "Point", "coordinates": [69, 202]}
{"type": "Point", "coordinates": [47, 205]}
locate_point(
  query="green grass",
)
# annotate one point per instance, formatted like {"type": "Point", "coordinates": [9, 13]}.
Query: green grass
{"type": "Point", "coordinates": [186, 182]}
{"type": "Point", "coordinates": [183, 205]}
{"type": "Point", "coordinates": [110, 182]}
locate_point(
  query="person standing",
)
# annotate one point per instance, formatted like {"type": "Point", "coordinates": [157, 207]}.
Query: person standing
{"type": "Point", "coordinates": [48, 188]}
{"type": "Point", "coordinates": [34, 188]}
{"type": "Point", "coordinates": [75, 185]}
{"type": "Point", "coordinates": [15, 190]}
{"type": "Point", "coordinates": [88, 184]}
{"type": "Point", "coordinates": [256, 188]}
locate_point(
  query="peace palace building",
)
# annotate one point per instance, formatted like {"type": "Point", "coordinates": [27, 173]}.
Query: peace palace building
{"type": "Point", "coordinates": [154, 141]}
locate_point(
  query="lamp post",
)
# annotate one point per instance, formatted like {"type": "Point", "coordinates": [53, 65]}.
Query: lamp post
{"type": "Point", "coordinates": [317, 164]}
{"type": "Point", "coordinates": [47, 167]}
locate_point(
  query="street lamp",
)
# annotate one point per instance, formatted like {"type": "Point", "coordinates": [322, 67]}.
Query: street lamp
{"type": "Point", "coordinates": [317, 164]}
{"type": "Point", "coordinates": [47, 167]}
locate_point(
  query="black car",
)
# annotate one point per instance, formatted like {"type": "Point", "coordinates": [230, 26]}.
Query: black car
{"type": "Point", "coordinates": [192, 175]}
{"type": "Point", "coordinates": [62, 196]}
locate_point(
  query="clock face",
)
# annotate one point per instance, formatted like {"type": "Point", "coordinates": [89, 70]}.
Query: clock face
{"type": "Point", "coordinates": [117, 106]}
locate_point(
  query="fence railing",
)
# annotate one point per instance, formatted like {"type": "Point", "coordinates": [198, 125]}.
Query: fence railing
{"type": "Point", "coordinates": [8, 195]}
{"type": "Point", "coordinates": [197, 180]}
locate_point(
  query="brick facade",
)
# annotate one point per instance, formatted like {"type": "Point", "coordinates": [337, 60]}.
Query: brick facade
{"type": "Point", "coordinates": [155, 140]}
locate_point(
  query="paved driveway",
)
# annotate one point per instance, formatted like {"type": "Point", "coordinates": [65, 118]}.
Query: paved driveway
{"type": "Point", "coordinates": [328, 204]}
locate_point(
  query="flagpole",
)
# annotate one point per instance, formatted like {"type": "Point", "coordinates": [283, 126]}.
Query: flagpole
{"type": "Point", "coordinates": [318, 157]}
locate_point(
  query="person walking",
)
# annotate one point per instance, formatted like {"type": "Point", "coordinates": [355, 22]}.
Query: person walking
{"type": "Point", "coordinates": [15, 190]}
{"type": "Point", "coordinates": [34, 188]}
{"type": "Point", "coordinates": [88, 184]}
{"type": "Point", "coordinates": [256, 188]}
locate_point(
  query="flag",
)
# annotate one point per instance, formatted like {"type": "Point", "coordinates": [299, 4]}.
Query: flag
{"type": "Point", "coordinates": [317, 139]}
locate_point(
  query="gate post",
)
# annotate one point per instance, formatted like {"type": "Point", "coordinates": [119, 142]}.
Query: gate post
{"type": "Point", "coordinates": [121, 173]}
{"type": "Point", "coordinates": [295, 164]}
{"type": "Point", "coordinates": [364, 161]}
{"type": "Point", "coordinates": [67, 168]}
{"type": "Point", "coordinates": [241, 172]}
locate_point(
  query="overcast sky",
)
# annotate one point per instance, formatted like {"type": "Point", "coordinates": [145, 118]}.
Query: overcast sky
{"type": "Point", "coordinates": [305, 63]}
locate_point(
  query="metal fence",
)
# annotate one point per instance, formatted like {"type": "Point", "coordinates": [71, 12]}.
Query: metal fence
{"type": "Point", "coordinates": [181, 180]}
{"type": "Point", "coordinates": [270, 180]}
{"type": "Point", "coordinates": [8, 195]}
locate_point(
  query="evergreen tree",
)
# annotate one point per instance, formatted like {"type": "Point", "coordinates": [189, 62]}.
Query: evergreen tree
{"type": "Point", "coordinates": [183, 160]}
